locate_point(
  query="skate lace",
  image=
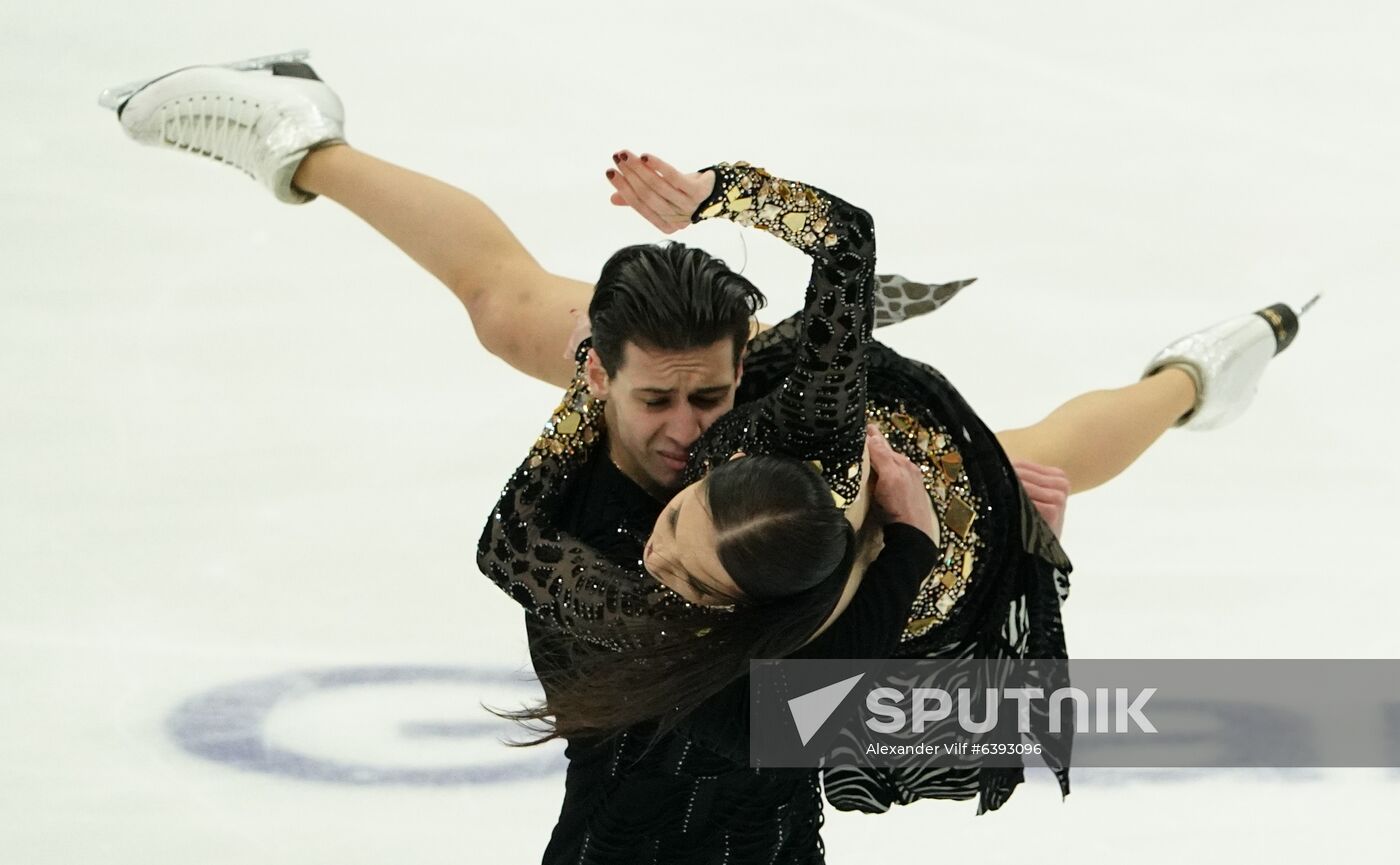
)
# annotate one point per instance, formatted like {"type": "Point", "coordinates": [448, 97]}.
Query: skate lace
{"type": "Point", "coordinates": [213, 126]}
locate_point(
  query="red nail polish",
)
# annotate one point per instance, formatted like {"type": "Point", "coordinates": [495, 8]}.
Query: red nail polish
{"type": "Point", "coordinates": [645, 158]}
{"type": "Point", "coordinates": [624, 157]}
{"type": "Point", "coordinates": [617, 158]}
{"type": "Point", "coordinates": [611, 174]}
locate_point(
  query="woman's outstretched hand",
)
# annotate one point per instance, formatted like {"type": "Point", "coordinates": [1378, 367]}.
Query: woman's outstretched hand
{"type": "Point", "coordinates": [664, 196]}
{"type": "Point", "coordinates": [899, 486]}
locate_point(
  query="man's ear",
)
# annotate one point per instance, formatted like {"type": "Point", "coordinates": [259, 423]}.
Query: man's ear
{"type": "Point", "coordinates": [597, 375]}
{"type": "Point", "coordinates": [739, 370]}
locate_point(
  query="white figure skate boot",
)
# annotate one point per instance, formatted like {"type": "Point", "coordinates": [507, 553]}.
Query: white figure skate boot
{"type": "Point", "coordinates": [1226, 361]}
{"type": "Point", "coordinates": [261, 116]}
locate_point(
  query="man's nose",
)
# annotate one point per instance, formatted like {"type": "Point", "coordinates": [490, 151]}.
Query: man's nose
{"type": "Point", "coordinates": [685, 425]}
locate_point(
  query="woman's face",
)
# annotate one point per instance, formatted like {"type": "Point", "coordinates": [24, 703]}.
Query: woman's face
{"type": "Point", "coordinates": [681, 551]}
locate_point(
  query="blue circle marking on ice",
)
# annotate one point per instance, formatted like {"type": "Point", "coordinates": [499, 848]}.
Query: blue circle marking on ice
{"type": "Point", "coordinates": [230, 725]}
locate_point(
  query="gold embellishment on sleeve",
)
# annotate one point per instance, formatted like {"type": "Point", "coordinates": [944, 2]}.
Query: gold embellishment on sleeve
{"type": "Point", "coordinates": [753, 197]}
{"type": "Point", "coordinates": [954, 505]}
{"type": "Point", "coordinates": [952, 466]}
{"type": "Point", "coordinates": [573, 427]}
{"type": "Point", "coordinates": [959, 516]}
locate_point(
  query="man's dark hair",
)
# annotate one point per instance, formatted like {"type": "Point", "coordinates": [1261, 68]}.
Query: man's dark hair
{"type": "Point", "coordinates": [669, 297]}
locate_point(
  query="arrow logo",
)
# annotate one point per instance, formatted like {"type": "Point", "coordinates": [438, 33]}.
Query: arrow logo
{"type": "Point", "coordinates": [811, 711]}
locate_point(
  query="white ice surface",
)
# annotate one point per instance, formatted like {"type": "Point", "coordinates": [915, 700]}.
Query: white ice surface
{"type": "Point", "coordinates": [240, 440]}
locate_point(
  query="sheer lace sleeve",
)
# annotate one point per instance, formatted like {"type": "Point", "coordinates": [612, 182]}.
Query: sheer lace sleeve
{"type": "Point", "coordinates": [553, 575]}
{"type": "Point", "coordinates": [818, 412]}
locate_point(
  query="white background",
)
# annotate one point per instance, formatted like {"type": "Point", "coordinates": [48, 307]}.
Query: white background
{"type": "Point", "coordinates": [240, 440]}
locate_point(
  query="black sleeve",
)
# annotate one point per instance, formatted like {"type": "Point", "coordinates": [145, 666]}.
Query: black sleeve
{"type": "Point", "coordinates": [871, 625]}
{"type": "Point", "coordinates": [558, 579]}
{"type": "Point", "coordinates": [819, 410]}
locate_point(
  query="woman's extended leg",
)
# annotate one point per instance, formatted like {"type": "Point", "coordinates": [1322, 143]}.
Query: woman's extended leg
{"type": "Point", "coordinates": [1097, 435]}
{"type": "Point", "coordinates": [279, 123]}
{"type": "Point", "coordinates": [521, 312]}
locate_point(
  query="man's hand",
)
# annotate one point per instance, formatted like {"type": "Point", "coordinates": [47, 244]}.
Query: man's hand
{"type": "Point", "coordinates": [1048, 488]}
{"type": "Point", "coordinates": [665, 196]}
{"type": "Point", "coordinates": [899, 486]}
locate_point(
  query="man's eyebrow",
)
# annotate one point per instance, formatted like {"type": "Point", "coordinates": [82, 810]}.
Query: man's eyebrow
{"type": "Point", "coordinates": [706, 391]}
{"type": "Point", "coordinates": [714, 388]}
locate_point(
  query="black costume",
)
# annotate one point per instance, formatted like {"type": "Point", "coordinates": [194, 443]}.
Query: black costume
{"type": "Point", "coordinates": [809, 387]}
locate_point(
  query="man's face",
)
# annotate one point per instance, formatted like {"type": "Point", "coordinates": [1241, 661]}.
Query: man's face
{"type": "Point", "coordinates": [659, 403]}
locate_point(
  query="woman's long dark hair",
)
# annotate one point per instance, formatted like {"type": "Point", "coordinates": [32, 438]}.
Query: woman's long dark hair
{"type": "Point", "coordinates": [776, 524]}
